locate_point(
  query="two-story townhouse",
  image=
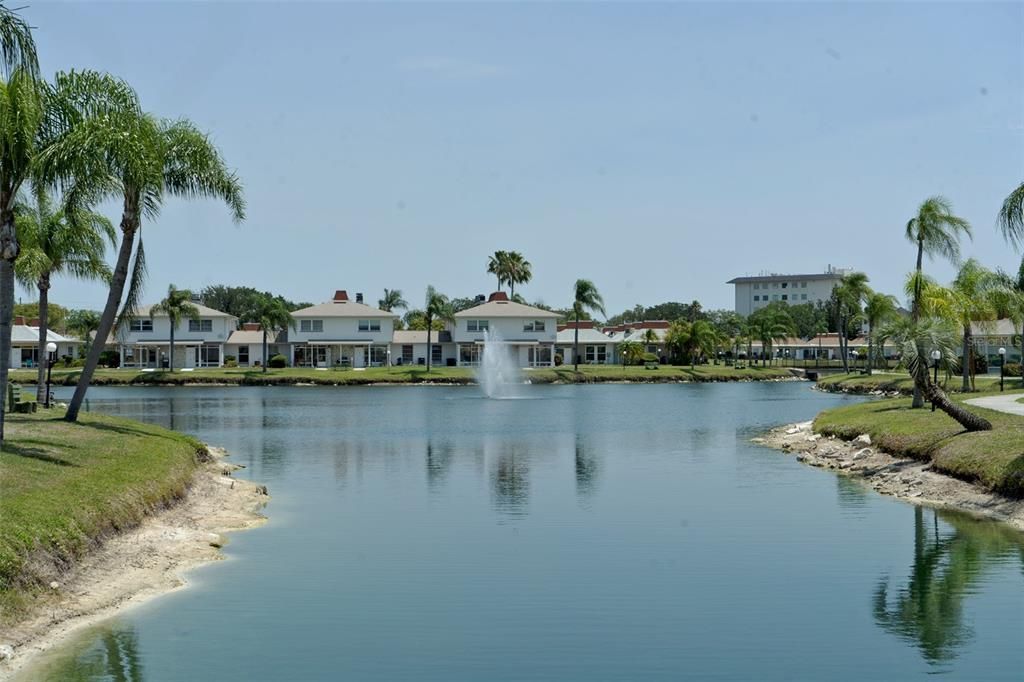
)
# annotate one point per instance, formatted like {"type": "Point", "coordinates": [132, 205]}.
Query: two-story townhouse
{"type": "Point", "coordinates": [145, 341]}
{"type": "Point", "coordinates": [409, 347]}
{"type": "Point", "coordinates": [529, 334]}
{"type": "Point", "coordinates": [341, 332]}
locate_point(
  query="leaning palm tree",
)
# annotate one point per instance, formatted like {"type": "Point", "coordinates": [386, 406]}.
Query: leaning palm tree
{"type": "Point", "coordinates": [56, 242]}
{"type": "Point", "coordinates": [879, 308]}
{"type": "Point", "coordinates": [936, 232]}
{"type": "Point", "coordinates": [111, 149]}
{"type": "Point", "coordinates": [392, 301]}
{"type": "Point", "coordinates": [437, 309]}
{"type": "Point", "coordinates": [272, 315]}
{"type": "Point", "coordinates": [519, 271]}
{"type": "Point", "coordinates": [585, 298]}
{"type": "Point", "coordinates": [911, 337]}
{"type": "Point", "coordinates": [177, 306]}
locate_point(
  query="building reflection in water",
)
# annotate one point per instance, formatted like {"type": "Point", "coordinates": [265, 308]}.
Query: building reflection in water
{"type": "Point", "coordinates": [439, 462]}
{"type": "Point", "coordinates": [510, 481]}
{"type": "Point", "coordinates": [948, 566]}
{"type": "Point", "coordinates": [587, 469]}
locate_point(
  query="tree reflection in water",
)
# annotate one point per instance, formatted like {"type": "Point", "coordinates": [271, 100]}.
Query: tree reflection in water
{"type": "Point", "coordinates": [113, 657]}
{"type": "Point", "coordinates": [587, 469]}
{"type": "Point", "coordinates": [511, 482]}
{"type": "Point", "coordinates": [948, 564]}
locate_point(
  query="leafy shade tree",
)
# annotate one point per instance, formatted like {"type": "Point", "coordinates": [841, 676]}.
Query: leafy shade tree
{"type": "Point", "coordinates": [631, 352]}
{"type": "Point", "coordinates": [241, 301]}
{"type": "Point", "coordinates": [437, 308]}
{"type": "Point", "coordinates": [82, 323]}
{"type": "Point", "coordinates": [54, 242]}
{"type": "Point", "coordinates": [849, 295]}
{"type": "Point", "coordinates": [879, 308]}
{"type": "Point", "coordinates": [936, 232]}
{"type": "Point", "coordinates": [392, 301]}
{"type": "Point", "coordinates": [912, 338]}
{"type": "Point", "coordinates": [112, 149]}
{"type": "Point", "coordinates": [56, 313]}
{"type": "Point", "coordinates": [177, 306]}
{"type": "Point", "coordinates": [585, 298]}
{"type": "Point", "coordinates": [768, 325]}
{"type": "Point", "coordinates": [272, 315]}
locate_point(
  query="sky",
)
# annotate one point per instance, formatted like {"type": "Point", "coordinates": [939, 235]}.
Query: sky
{"type": "Point", "coordinates": [657, 149]}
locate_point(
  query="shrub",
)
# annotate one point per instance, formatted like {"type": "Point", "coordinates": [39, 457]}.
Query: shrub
{"type": "Point", "coordinates": [110, 358]}
{"type": "Point", "coordinates": [278, 361]}
{"type": "Point", "coordinates": [1012, 369]}
{"type": "Point", "coordinates": [230, 362]}
{"type": "Point", "coordinates": [558, 360]}
{"type": "Point", "coordinates": [650, 357]}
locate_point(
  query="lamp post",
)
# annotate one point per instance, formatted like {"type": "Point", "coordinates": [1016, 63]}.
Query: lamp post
{"type": "Point", "coordinates": [1002, 364]}
{"type": "Point", "coordinates": [855, 355]}
{"type": "Point", "coordinates": [51, 351]}
{"type": "Point", "coordinates": [936, 356]}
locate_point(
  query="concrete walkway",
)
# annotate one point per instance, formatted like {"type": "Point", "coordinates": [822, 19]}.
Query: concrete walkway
{"type": "Point", "coordinates": [1001, 403]}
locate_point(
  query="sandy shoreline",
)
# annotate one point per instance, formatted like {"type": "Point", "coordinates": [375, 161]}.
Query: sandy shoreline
{"type": "Point", "coordinates": [910, 480]}
{"type": "Point", "coordinates": [143, 563]}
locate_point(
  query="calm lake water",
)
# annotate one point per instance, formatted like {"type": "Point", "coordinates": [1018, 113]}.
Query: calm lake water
{"type": "Point", "coordinates": [608, 532]}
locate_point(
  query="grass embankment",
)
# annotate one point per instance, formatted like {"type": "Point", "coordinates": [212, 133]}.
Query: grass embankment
{"type": "Point", "coordinates": [64, 487]}
{"type": "Point", "coordinates": [900, 381]}
{"type": "Point", "coordinates": [404, 375]}
{"type": "Point", "coordinates": [995, 458]}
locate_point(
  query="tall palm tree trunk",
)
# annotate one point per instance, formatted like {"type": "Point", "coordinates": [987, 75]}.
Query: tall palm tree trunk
{"type": "Point", "coordinates": [871, 348]}
{"type": "Point", "coordinates": [44, 314]}
{"type": "Point", "coordinates": [264, 351]}
{"type": "Point", "coordinates": [967, 365]}
{"type": "Point", "coordinates": [576, 345]}
{"type": "Point", "coordinates": [170, 352]}
{"type": "Point", "coordinates": [9, 249]}
{"type": "Point", "coordinates": [430, 323]}
{"type": "Point", "coordinates": [915, 315]}
{"type": "Point", "coordinates": [129, 229]}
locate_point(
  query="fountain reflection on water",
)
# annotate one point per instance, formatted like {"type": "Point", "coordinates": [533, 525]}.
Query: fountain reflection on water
{"type": "Point", "coordinates": [497, 373]}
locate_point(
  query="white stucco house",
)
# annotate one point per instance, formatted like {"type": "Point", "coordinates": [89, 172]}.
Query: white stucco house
{"type": "Point", "coordinates": [25, 343]}
{"type": "Point", "coordinates": [596, 347]}
{"type": "Point", "coordinates": [410, 348]}
{"type": "Point", "coordinates": [341, 332]}
{"type": "Point", "coordinates": [246, 345]}
{"type": "Point", "coordinates": [145, 341]}
{"type": "Point", "coordinates": [529, 334]}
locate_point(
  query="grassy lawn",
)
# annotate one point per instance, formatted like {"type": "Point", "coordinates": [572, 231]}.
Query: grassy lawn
{"type": "Point", "coordinates": [993, 458]}
{"type": "Point", "coordinates": [401, 375]}
{"type": "Point", "coordinates": [901, 381]}
{"type": "Point", "coordinates": [65, 486]}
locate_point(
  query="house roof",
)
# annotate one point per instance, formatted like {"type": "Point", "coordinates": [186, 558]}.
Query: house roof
{"type": "Point", "coordinates": [252, 336]}
{"type": "Point", "coordinates": [342, 308]}
{"type": "Point", "coordinates": [23, 334]}
{"type": "Point", "coordinates": [505, 309]}
{"type": "Point", "coordinates": [789, 278]}
{"type": "Point", "coordinates": [143, 311]}
{"type": "Point", "coordinates": [586, 336]}
{"type": "Point", "coordinates": [638, 334]}
{"type": "Point", "coordinates": [410, 336]}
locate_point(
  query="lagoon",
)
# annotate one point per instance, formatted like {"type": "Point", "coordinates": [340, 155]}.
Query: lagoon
{"type": "Point", "coordinates": [593, 532]}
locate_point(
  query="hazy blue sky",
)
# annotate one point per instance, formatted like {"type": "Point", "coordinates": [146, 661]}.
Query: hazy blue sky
{"type": "Point", "coordinates": [657, 149]}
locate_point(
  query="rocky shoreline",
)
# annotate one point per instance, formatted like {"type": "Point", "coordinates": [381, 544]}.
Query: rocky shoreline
{"type": "Point", "coordinates": [908, 479]}
{"type": "Point", "coordinates": [140, 564]}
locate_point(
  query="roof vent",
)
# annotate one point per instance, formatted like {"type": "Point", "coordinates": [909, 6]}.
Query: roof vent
{"type": "Point", "coordinates": [340, 296]}
{"type": "Point", "coordinates": [359, 298]}
{"type": "Point", "coordinates": [498, 297]}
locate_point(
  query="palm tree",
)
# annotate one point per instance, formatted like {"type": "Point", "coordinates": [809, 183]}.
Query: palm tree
{"type": "Point", "coordinates": [768, 325]}
{"type": "Point", "coordinates": [1011, 305]}
{"type": "Point", "coordinates": [392, 301]}
{"type": "Point", "coordinates": [83, 323]}
{"type": "Point", "coordinates": [631, 352]}
{"type": "Point", "coordinates": [879, 308]}
{"type": "Point", "coordinates": [177, 306]}
{"type": "Point", "coordinates": [1011, 217]}
{"type": "Point", "coordinates": [848, 294]}
{"type": "Point", "coordinates": [936, 232]}
{"type": "Point", "coordinates": [911, 337]}
{"type": "Point", "coordinates": [585, 297]}
{"type": "Point", "coordinates": [111, 149]}
{"type": "Point", "coordinates": [272, 315]}
{"type": "Point", "coordinates": [497, 265]}
{"type": "Point", "coordinates": [704, 340]}
{"type": "Point", "coordinates": [437, 309]}
{"type": "Point", "coordinates": [677, 338]}
{"type": "Point", "coordinates": [54, 242]}
{"type": "Point", "coordinates": [519, 271]}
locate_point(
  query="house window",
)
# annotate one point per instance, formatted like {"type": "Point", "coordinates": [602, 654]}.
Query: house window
{"type": "Point", "coordinates": [775, 285]}
{"type": "Point", "coordinates": [756, 285]}
{"type": "Point", "coordinates": [534, 326]}
{"type": "Point", "coordinates": [757, 298]}
{"type": "Point", "coordinates": [775, 297]}
{"type": "Point", "coordinates": [375, 356]}
{"type": "Point", "coordinates": [243, 355]}
{"type": "Point", "coordinates": [476, 325]}
{"type": "Point", "coordinates": [407, 355]}
{"type": "Point", "coordinates": [209, 355]}
{"type": "Point", "coordinates": [803, 285]}
{"type": "Point", "coordinates": [469, 354]}
{"type": "Point", "coordinates": [200, 325]}
{"type": "Point", "coordinates": [140, 325]}
{"type": "Point", "coordinates": [539, 356]}
{"type": "Point", "coordinates": [369, 325]}
{"type": "Point", "coordinates": [785, 284]}
{"type": "Point", "coordinates": [785, 297]}
{"type": "Point", "coordinates": [311, 325]}
{"type": "Point", "coordinates": [435, 355]}
{"type": "Point", "coordinates": [596, 355]}
{"type": "Point", "coordinates": [803, 297]}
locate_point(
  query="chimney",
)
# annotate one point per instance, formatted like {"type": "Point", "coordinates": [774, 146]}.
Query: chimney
{"type": "Point", "coordinates": [359, 298]}
{"type": "Point", "coordinates": [499, 296]}
{"type": "Point", "coordinates": [18, 319]}
{"type": "Point", "coordinates": [34, 322]}
{"type": "Point", "coordinates": [340, 296]}
{"type": "Point", "coordinates": [250, 326]}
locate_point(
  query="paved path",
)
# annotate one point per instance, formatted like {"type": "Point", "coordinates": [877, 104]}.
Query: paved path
{"type": "Point", "coordinates": [1001, 403]}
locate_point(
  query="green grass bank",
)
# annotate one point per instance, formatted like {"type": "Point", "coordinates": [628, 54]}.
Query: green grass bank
{"type": "Point", "coordinates": [404, 375]}
{"type": "Point", "coordinates": [994, 459]}
{"type": "Point", "coordinates": [65, 487]}
{"type": "Point", "coordinates": [892, 382]}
